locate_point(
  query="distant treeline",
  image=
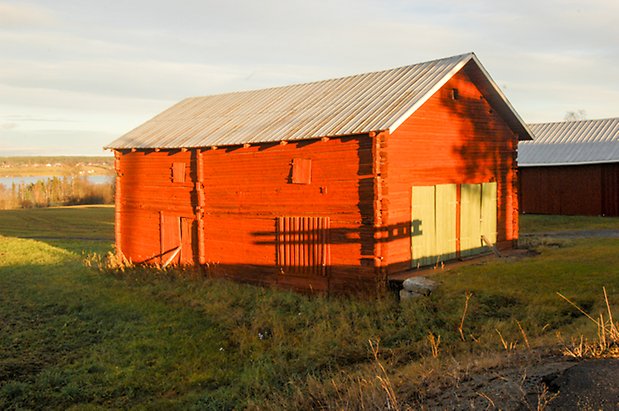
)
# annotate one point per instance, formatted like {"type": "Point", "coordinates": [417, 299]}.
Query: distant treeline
{"type": "Point", "coordinates": [56, 191]}
{"type": "Point", "coordinates": [66, 160]}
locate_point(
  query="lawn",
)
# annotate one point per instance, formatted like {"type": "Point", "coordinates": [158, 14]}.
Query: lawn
{"type": "Point", "coordinates": [536, 223]}
{"type": "Point", "coordinates": [78, 228]}
{"type": "Point", "coordinates": [170, 340]}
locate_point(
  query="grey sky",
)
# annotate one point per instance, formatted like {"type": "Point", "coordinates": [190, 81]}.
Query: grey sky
{"type": "Point", "coordinates": [75, 74]}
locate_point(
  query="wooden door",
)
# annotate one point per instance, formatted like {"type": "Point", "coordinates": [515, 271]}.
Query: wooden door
{"type": "Point", "coordinates": [423, 230]}
{"type": "Point", "coordinates": [470, 219]}
{"type": "Point", "coordinates": [189, 240]}
{"type": "Point", "coordinates": [177, 239]}
{"type": "Point", "coordinates": [433, 227]}
{"type": "Point", "coordinates": [169, 238]}
{"type": "Point", "coordinates": [488, 211]}
{"type": "Point", "coordinates": [478, 216]}
{"type": "Point", "coordinates": [446, 205]}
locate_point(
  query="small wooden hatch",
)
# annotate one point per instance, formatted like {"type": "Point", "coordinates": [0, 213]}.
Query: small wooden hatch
{"type": "Point", "coordinates": [301, 171]}
{"type": "Point", "coordinates": [303, 245]}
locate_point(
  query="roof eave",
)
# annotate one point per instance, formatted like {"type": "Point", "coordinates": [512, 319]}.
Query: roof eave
{"type": "Point", "coordinates": [573, 163]}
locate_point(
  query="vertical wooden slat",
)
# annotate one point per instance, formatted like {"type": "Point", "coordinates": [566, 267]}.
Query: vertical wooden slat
{"type": "Point", "coordinates": [299, 244]}
{"type": "Point", "coordinates": [295, 241]}
{"type": "Point", "coordinates": [287, 239]}
{"type": "Point", "coordinates": [302, 245]}
{"type": "Point", "coordinates": [278, 241]}
{"type": "Point", "coordinates": [161, 236]}
{"type": "Point", "coordinates": [293, 246]}
{"type": "Point", "coordinates": [319, 246]}
{"type": "Point", "coordinates": [323, 241]}
{"type": "Point", "coordinates": [323, 255]}
{"type": "Point", "coordinates": [327, 242]}
{"type": "Point", "coordinates": [312, 242]}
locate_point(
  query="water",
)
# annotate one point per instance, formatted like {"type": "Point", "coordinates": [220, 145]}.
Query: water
{"type": "Point", "coordinates": [94, 179]}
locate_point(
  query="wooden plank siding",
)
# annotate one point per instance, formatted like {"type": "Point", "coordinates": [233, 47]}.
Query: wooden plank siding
{"type": "Point", "coordinates": [145, 191]}
{"type": "Point", "coordinates": [248, 189]}
{"type": "Point", "coordinates": [244, 190]}
{"type": "Point", "coordinates": [591, 189]}
{"type": "Point", "coordinates": [449, 141]}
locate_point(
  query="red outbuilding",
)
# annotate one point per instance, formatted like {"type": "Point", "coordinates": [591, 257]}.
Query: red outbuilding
{"type": "Point", "coordinates": [327, 186]}
{"type": "Point", "coordinates": [571, 168]}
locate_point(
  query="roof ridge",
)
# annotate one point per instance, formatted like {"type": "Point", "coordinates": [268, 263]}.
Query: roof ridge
{"type": "Point", "coordinates": [574, 121]}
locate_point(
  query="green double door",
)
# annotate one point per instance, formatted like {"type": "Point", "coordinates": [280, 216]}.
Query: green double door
{"type": "Point", "coordinates": [434, 221]}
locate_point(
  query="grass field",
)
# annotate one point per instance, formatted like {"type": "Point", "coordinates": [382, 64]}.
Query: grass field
{"type": "Point", "coordinates": [71, 336]}
{"type": "Point", "coordinates": [533, 223]}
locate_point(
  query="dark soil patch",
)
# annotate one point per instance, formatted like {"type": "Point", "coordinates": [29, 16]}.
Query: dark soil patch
{"type": "Point", "coordinates": [551, 383]}
{"type": "Point", "coordinates": [589, 385]}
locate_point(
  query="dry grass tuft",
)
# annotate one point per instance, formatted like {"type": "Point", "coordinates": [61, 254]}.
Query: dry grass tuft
{"type": "Point", "coordinates": [605, 345]}
{"type": "Point", "coordinates": [467, 296]}
{"type": "Point", "coordinates": [112, 261]}
{"type": "Point", "coordinates": [434, 342]}
{"type": "Point", "coordinates": [508, 346]}
{"type": "Point", "coordinates": [383, 378]}
{"type": "Point", "coordinates": [545, 397]}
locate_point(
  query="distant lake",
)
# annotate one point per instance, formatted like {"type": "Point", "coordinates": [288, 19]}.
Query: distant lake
{"type": "Point", "coordinates": [94, 179]}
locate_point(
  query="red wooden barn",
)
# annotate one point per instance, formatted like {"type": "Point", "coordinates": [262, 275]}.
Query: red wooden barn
{"type": "Point", "coordinates": [572, 168]}
{"type": "Point", "coordinates": [332, 185]}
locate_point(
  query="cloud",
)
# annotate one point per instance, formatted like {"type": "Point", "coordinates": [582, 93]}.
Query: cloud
{"type": "Point", "coordinates": [108, 66]}
{"type": "Point", "coordinates": [25, 15]}
{"type": "Point", "coordinates": [151, 79]}
{"type": "Point", "coordinates": [55, 142]}
{"type": "Point", "coordinates": [8, 126]}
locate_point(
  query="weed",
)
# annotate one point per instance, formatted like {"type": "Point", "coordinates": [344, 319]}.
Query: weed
{"type": "Point", "coordinates": [524, 335]}
{"type": "Point", "coordinates": [606, 343]}
{"type": "Point", "coordinates": [508, 346]}
{"type": "Point", "coordinates": [110, 262]}
{"type": "Point", "coordinates": [467, 297]}
{"type": "Point", "coordinates": [434, 342]}
{"type": "Point", "coordinates": [383, 378]}
{"type": "Point", "coordinates": [545, 397]}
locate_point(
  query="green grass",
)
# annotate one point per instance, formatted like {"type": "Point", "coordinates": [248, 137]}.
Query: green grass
{"type": "Point", "coordinates": [77, 228]}
{"type": "Point", "coordinates": [71, 336]}
{"type": "Point", "coordinates": [537, 223]}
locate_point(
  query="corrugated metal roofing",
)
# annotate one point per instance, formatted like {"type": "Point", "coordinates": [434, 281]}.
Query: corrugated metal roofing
{"type": "Point", "coordinates": [571, 142]}
{"type": "Point", "coordinates": [345, 106]}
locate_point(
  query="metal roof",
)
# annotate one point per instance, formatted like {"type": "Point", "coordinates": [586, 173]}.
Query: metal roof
{"type": "Point", "coordinates": [571, 143]}
{"type": "Point", "coordinates": [345, 106]}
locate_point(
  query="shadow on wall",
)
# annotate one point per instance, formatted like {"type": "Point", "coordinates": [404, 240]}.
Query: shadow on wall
{"type": "Point", "coordinates": [492, 156]}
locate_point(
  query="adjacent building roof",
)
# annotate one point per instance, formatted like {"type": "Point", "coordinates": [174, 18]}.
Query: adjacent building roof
{"type": "Point", "coordinates": [352, 105]}
{"type": "Point", "coordinates": [571, 143]}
